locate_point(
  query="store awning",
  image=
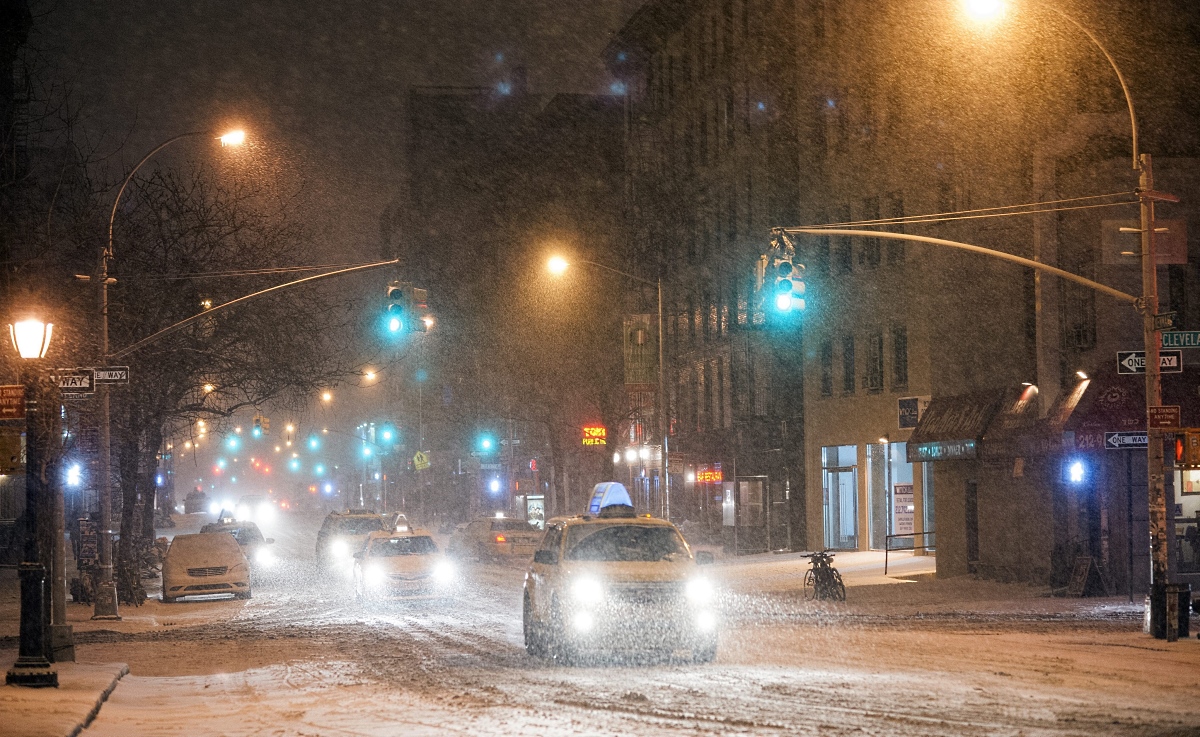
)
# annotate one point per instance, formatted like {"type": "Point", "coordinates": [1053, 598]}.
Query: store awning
{"type": "Point", "coordinates": [952, 428]}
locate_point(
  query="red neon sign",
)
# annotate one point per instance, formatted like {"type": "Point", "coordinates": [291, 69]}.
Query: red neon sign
{"type": "Point", "coordinates": [595, 435]}
{"type": "Point", "coordinates": [710, 474]}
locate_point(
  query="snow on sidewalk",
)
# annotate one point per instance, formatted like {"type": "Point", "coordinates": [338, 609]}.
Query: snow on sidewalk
{"type": "Point", "coordinates": [66, 710]}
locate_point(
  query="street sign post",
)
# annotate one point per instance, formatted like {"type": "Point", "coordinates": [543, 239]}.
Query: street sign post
{"type": "Point", "coordinates": [1166, 321]}
{"type": "Point", "coordinates": [1125, 440]}
{"type": "Point", "coordinates": [1180, 339]}
{"type": "Point", "coordinates": [1134, 362]}
{"type": "Point", "coordinates": [1165, 417]}
{"type": "Point", "coordinates": [76, 381]}
{"type": "Point", "coordinates": [12, 402]}
{"type": "Point", "coordinates": [112, 374]}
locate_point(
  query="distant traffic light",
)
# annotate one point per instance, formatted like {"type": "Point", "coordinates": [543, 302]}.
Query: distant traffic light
{"type": "Point", "coordinates": [785, 274]}
{"type": "Point", "coordinates": [407, 309]}
{"type": "Point", "coordinates": [486, 443]}
{"type": "Point", "coordinates": [394, 313]}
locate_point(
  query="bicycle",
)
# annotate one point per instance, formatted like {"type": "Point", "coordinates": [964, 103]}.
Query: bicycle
{"type": "Point", "coordinates": [823, 582]}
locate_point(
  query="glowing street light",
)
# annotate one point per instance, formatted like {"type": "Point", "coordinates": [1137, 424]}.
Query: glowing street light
{"type": "Point", "coordinates": [326, 396]}
{"type": "Point", "coordinates": [984, 11]}
{"type": "Point", "coordinates": [209, 388]}
{"type": "Point", "coordinates": [31, 337]}
{"type": "Point", "coordinates": [233, 138]}
{"type": "Point", "coordinates": [557, 265]}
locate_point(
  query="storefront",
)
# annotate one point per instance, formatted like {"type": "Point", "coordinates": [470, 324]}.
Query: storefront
{"type": "Point", "coordinates": [873, 497]}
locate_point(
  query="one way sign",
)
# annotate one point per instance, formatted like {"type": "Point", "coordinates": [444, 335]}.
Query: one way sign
{"type": "Point", "coordinates": [76, 381]}
{"type": "Point", "coordinates": [1134, 362]}
{"type": "Point", "coordinates": [1124, 440]}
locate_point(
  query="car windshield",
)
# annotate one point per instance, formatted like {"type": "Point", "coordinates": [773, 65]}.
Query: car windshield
{"type": "Point", "coordinates": [512, 525]}
{"type": "Point", "coordinates": [628, 543]}
{"type": "Point", "coordinates": [248, 534]}
{"type": "Point", "coordinates": [359, 525]}
{"type": "Point", "coordinates": [392, 546]}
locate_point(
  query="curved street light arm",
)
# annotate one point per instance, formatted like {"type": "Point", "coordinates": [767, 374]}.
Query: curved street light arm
{"type": "Point", "coordinates": [618, 271]}
{"type": "Point", "coordinates": [1102, 288]}
{"type": "Point", "coordinates": [108, 252]}
{"type": "Point", "coordinates": [1120, 77]}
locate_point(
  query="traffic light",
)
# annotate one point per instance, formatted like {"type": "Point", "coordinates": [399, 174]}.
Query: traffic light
{"type": "Point", "coordinates": [779, 271]}
{"type": "Point", "coordinates": [486, 443]}
{"type": "Point", "coordinates": [1187, 449]}
{"type": "Point", "coordinates": [407, 309]}
{"type": "Point", "coordinates": [394, 312]}
{"type": "Point", "coordinates": [262, 426]}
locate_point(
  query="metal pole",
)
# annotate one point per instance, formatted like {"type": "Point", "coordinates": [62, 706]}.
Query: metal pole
{"type": "Point", "coordinates": [1154, 446]}
{"type": "Point", "coordinates": [106, 589]}
{"type": "Point", "coordinates": [664, 477]}
{"type": "Point", "coordinates": [33, 666]}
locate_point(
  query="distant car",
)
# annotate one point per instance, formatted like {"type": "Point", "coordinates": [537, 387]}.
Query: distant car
{"type": "Point", "coordinates": [618, 582]}
{"type": "Point", "coordinates": [400, 563]}
{"type": "Point", "coordinates": [255, 508]}
{"type": "Point", "coordinates": [196, 501]}
{"type": "Point", "coordinates": [254, 546]}
{"type": "Point", "coordinates": [342, 534]}
{"type": "Point", "coordinates": [205, 563]}
{"type": "Point", "coordinates": [495, 537]}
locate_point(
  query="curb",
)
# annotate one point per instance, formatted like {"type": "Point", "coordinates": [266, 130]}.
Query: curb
{"type": "Point", "coordinates": [91, 715]}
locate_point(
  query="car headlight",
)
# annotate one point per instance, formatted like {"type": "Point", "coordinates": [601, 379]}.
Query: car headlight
{"type": "Point", "coordinates": [443, 572]}
{"type": "Point", "coordinates": [243, 512]}
{"type": "Point", "coordinates": [706, 621]}
{"type": "Point", "coordinates": [587, 591]}
{"type": "Point", "coordinates": [374, 576]}
{"type": "Point", "coordinates": [339, 549]}
{"type": "Point", "coordinates": [214, 508]}
{"type": "Point", "coordinates": [264, 557]}
{"type": "Point", "coordinates": [265, 513]}
{"type": "Point", "coordinates": [700, 591]}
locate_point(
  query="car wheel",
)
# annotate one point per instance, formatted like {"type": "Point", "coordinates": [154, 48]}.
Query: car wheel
{"type": "Point", "coordinates": [244, 595]}
{"type": "Point", "coordinates": [558, 644]}
{"type": "Point", "coordinates": [535, 641]}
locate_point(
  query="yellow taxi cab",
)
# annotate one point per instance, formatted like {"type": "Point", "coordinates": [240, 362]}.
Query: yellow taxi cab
{"type": "Point", "coordinates": [614, 581]}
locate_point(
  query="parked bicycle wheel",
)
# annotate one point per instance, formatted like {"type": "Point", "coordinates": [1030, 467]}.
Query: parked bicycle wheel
{"type": "Point", "coordinates": [810, 585]}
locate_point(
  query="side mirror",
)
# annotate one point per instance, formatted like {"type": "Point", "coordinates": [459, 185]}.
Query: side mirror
{"type": "Point", "coordinates": [704, 558]}
{"type": "Point", "coordinates": [270, 541]}
{"type": "Point", "coordinates": [546, 557]}
{"type": "Point", "coordinates": [358, 555]}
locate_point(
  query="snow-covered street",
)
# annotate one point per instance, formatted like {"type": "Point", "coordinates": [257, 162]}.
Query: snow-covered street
{"type": "Point", "coordinates": [928, 657]}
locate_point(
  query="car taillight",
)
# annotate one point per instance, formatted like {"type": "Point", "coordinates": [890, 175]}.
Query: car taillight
{"type": "Point", "coordinates": [501, 539]}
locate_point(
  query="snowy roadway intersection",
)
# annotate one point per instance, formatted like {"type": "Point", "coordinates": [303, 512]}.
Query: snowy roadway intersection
{"type": "Point", "coordinates": [934, 657]}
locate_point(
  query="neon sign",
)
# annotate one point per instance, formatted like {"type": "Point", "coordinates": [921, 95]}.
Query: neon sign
{"type": "Point", "coordinates": [595, 435]}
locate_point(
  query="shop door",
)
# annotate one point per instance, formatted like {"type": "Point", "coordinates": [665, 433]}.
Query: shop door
{"type": "Point", "coordinates": [840, 489]}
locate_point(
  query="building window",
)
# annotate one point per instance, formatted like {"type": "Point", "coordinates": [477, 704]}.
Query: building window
{"type": "Point", "coordinates": [900, 358]}
{"type": "Point", "coordinates": [843, 256]}
{"type": "Point", "coordinates": [761, 377]}
{"type": "Point", "coordinates": [895, 249]}
{"type": "Point", "coordinates": [826, 368]}
{"type": "Point", "coordinates": [873, 382]}
{"type": "Point", "coordinates": [871, 248]}
{"type": "Point", "coordinates": [848, 379]}
{"type": "Point", "coordinates": [1079, 316]}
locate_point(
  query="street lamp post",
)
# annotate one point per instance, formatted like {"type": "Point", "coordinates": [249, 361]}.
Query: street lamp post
{"type": "Point", "coordinates": [106, 590]}
{"type": "Point", "coordinates": [31, 338]}
{"type": "Point", "coordinates": [1148, 307]}
{"type": "Point", "coordinates": [558, 265]}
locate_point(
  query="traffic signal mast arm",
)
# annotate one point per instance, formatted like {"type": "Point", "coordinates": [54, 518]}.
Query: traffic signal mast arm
{"type": "Point", "coordinates": [1116, 293]}
{"type": "Point", "coordinates": [207, 313]}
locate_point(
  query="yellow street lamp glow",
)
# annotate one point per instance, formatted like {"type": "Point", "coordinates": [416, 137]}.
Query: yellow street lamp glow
{"type": "Point", "coordinates": [428, 320]}
{"type": "Point", "coordinates": [31, 337]}
{"type": "Point", "coordinates": [291, 428]}
{"type": "Point", "coordinates": [984, 11]}
{"type": "Point", "coordinates": [369, 376]}
{"type": "Point", "coordinates": [233, 138]}
{"type": "Point", "coordinates": [557, 265]}
{"type": "Point", "coordinates": [326, 396]}
{"type": "Point", "coordinates": [209, 388]}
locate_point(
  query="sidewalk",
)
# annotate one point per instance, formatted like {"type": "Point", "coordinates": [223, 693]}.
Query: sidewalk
{"type": "Point", "coordinates": [773, 573]}
{"type": "Point", "coordinates": [66, 710]}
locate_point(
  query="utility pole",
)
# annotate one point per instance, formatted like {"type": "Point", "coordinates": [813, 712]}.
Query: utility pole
{"type": "Point", "coordinates": [1162, 598]}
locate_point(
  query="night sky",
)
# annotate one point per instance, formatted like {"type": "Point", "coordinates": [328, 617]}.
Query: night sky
{"type": "Point", "coordinates": [319, 85]}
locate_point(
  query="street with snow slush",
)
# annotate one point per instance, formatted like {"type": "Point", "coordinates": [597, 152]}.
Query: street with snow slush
{"type": "Point", "coordinates": [905, 655]}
